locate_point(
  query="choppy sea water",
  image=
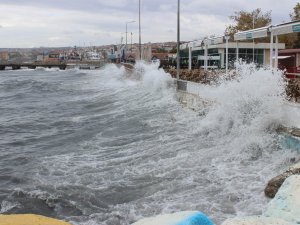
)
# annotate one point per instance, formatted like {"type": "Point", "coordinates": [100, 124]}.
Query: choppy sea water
{"type": "Point", "coordinates": [101, 147]}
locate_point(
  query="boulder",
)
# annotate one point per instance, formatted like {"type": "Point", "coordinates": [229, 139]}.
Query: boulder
{"type": "Point", "coordinates": [293, 131]}
{"type": "Point", "coordinates": [179, 218]}
{"type": "Point", "coordinates": [275, 183]}
{"type": "Point", "coordinates": [29, 219]}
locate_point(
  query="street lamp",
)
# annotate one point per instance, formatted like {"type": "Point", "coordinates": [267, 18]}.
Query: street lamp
{"type": "Point", "coordinates": [122, 54]}
{"type": "Point", "coordinates": [131, 43]}
{"type": "Point", "coordinates": [126, 33]}
{"type": "Point", "coordinates": [226, 66]}
{"type": "Point", "coordinates": [140, 38]}
{"type": "Point", "coordinates": [178, 39]}
{"type": "Point", "coordinates": [253, 39]}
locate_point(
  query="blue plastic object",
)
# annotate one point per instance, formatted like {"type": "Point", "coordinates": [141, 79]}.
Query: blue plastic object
{"type": "Point", "coordinates": [197, 218]}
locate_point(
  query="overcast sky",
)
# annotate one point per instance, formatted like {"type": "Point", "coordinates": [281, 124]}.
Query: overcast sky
{"type": "Point", "coordinates": [35, 23]}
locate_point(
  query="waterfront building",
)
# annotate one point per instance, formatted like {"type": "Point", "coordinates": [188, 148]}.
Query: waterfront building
{"type": "Point", "coordinates": [259, 53]}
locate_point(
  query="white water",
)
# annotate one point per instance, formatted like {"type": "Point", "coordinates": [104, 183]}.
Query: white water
{"type": "Point", "coordinates": [127, 149]}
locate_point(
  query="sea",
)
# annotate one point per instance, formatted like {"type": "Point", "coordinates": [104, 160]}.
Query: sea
{"type": "Point", "coordinates": [109, 147]}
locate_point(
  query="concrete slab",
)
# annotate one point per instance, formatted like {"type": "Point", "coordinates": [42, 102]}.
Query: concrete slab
{"type": "Point", "coordinates": [286, 204]}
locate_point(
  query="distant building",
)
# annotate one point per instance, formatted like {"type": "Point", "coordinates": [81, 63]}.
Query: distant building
{"type": "Point", "coordinates": [42, 57]}
{"type": "Point", "coordinates": [53, 56]}
{"type": "Point", "coordinates": [4, 56]}
{"type": "Point", "coordinates": [15, 56]}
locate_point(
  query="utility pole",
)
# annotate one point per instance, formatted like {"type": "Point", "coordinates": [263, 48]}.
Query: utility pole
{"type": "Point", "coordinates": [226, 66]}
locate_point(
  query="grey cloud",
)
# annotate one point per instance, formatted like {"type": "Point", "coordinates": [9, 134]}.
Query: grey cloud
{"type": "Point", "coordinates": [106, 18]}
{"type": "Point", "coordinates": [87, 5]}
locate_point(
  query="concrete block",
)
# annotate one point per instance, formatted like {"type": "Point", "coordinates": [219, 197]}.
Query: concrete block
{"type": "Point", "coordinates": [286, 204]}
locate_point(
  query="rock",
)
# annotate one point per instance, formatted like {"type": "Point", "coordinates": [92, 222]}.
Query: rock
{"type": "Point", "coordinates": [29, 219]}
{"type": "Point", "coordinates": [275, 183]}
{"type": "Point", "coordinates": [179, 218]}
{"type": "Point", "coordinates": [286, 204]}
{"type": "Point", "coordinates": [293, 131]}
{"type": "Point", "coordinates": [258, 220]}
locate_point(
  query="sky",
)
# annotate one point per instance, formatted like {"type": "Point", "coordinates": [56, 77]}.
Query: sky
{"type": "Point", "coordinates": [58, 23]}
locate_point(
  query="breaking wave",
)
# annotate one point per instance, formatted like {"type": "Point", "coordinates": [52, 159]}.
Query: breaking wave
{"type": "Point", "coordinates": [110, 146]}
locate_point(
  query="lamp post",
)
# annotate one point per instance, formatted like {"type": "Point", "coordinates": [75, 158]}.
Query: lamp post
{"type": "Point", "coordinates": [120, 48]}
{"type": "Point", "coordinates": [131, 42]}
{"type": "Point", "coordinates": [226, 66]}
{"type": "Point", "coordinates": [178, 39]}
{"type": "Point", "coordinates": [253, 40]}
{"type": "Point", "coordinates": [126, 34]}
{"type": "Point", "coordinates": [140, 38]}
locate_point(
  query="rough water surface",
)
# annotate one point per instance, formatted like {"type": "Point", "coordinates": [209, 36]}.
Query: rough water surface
{"type": "Point", "coordinates": [103, 147]}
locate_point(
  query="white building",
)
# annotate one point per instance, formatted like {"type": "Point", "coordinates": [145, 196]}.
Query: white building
{"type": "Point", "coordinates": [212, 53]}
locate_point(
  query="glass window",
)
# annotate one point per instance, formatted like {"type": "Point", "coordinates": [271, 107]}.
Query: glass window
{"type": "Point", "coordinates": [249, 51]}
{"type": "Point", "coordinates": [231, 50]}
{"type": "Point", "coordinates": [197, 52]}
{"type": "Point", "coordinates": [242, 51]}
{"type": "Point", "coordinates": [259, 51]}
{"type": "Point", "coordinates": [260, 59]}
{"type": "Point", "coordinates": [213, 51]}
{"type": "Point", "coordinates": [184, 53]}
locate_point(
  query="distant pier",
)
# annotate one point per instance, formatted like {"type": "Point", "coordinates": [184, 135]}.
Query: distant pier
{"type": "Point", "coordinates": [32, 65]}
{"type": "Point", "coordinates": [55, 64]}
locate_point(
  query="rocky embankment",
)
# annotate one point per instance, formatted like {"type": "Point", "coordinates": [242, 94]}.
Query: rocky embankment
{"type": "Point", "coordinates": [196, 75]}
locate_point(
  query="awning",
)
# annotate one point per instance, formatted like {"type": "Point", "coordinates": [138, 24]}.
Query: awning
{"type": "Point", "coordinates": [286, 28]}
{"type": "Point", "coordinates": [251, 34]}
{"type": "Point", "coordinates": [282, 57]}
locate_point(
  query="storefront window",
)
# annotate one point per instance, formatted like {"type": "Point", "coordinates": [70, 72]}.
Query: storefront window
{"type": "Point", "coordinates": [246, 54]}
